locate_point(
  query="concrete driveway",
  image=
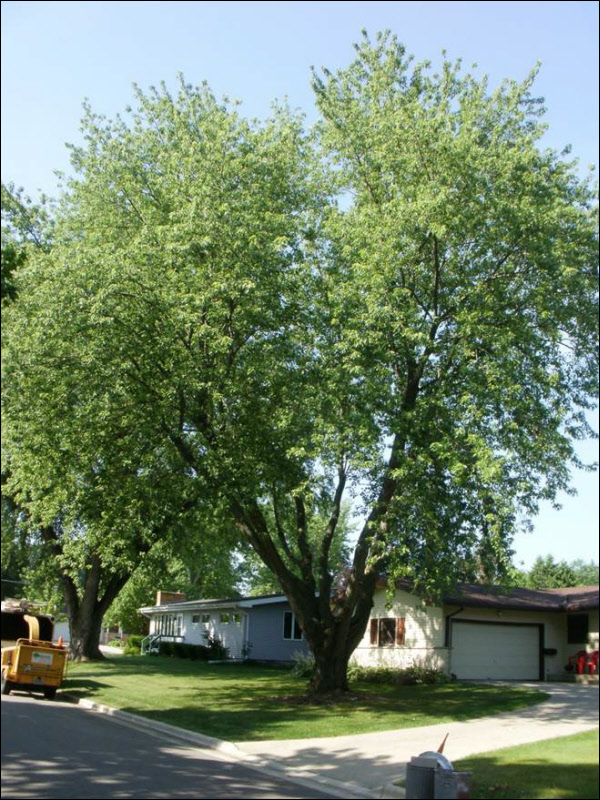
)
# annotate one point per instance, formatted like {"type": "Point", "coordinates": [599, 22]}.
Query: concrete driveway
{"type": "Point", "coordinates": [374, 760]}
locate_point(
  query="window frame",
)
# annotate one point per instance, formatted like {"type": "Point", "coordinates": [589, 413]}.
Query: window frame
{"type": "Point", "coordinates": [576, 624]}
{"type": "Point", "coordinates": [294, 628]}
{"type": "Point", "coordinates": [395, 624]}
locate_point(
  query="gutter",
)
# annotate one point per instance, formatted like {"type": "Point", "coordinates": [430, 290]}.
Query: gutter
{"type": "Point", "coordinates": [447, 642]}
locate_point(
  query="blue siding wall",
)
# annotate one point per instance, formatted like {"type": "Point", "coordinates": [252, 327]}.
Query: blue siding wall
{"type": "Point", "coordinates": [265, 634]}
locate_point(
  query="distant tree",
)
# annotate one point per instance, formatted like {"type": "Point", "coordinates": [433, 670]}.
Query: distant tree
{"type": "Point", "coordinates": [547, 573]}
{"type": "Point", "coordinates": [587, 573]}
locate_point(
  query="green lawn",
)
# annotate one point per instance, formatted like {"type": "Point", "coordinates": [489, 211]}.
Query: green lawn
{"type": "Point", "coordinates": [252, 703]}
{"type": "Point", "coordinates": [556, 768]}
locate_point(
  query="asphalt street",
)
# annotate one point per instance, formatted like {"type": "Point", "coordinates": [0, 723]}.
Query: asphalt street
{"type": "Point", "coordinates": [57, 750]}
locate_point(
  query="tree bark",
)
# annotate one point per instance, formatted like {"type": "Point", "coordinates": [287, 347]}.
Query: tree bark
{"type": "Point", "coordinates": [331, 671]}
{"type": "Point", "coordinates": [85, 636]}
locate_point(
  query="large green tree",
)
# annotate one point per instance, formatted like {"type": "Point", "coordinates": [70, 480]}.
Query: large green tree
{"type": "Point", "coordinates": [407, 314]}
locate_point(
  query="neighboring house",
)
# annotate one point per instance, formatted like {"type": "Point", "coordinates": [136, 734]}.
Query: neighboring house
{"type": "Point", "coordinates": [261, 628]}
{"type": "Point", "coordinates": [477, 633]}
{"type": "Point", "coordinates": [481, 633]}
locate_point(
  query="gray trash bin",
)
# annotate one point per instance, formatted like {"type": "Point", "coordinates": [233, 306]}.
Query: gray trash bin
{"type": "Point", "coordinates": [451, 785]}
{"type": "Point", "coordinates": [419, 782]}
{"type": "Point", "coordinates": [420, 775]}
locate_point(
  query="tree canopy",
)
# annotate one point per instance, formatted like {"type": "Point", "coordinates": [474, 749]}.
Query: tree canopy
{"type": "Point", "coordinates": [400, 306]}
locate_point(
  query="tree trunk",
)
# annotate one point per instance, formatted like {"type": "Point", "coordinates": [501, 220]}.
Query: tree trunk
{"type": "Point", "coordinates": [331, 671]}
{"type": "Point", "coordinates": [85, 636]}
{"type": "Point", "coordinates": [87, 611]}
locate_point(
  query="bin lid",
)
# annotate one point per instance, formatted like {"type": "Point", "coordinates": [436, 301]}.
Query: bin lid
{"type": "Point", "coordinates": [432, 760]}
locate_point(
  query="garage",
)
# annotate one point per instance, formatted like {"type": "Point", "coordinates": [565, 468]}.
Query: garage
{"type": "Point", "coordinates": [496, 650]}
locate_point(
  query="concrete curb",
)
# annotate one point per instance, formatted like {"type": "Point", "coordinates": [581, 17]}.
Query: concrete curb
{"type": "Point", "coordinates": [301, 777]}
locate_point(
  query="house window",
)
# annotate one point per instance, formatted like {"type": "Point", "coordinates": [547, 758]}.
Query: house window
{"type": "Point", "coordinates": [236, 618]}
{"type": "Point", "coordinates": [291, 630]}
{"type": "Point", "coordinates": [205, 619]}
{"type": "Point", "coordinates": [170, 625]}
{"type": "Point", "coordinates": [388, 631]}
{"type": "Point", "coordinates": [578, 628]}
{"type": "Point", "coordinates": [195, 619]}
{"type": "Point", "coordinates": [225, 619]}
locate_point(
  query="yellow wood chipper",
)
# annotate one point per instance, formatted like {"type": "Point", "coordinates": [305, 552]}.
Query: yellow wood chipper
{"type": "Point", "coordinates": [31, 662]}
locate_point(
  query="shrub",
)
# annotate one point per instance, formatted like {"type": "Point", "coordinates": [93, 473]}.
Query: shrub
{"type": "Point", "coordinates": [166, 648]}
{"type": "Point", "coordinates": [195, 652]}
{"type": "Point", "coordinates": [133, 644]}
{"type": "Point", "coordinates": [217, 650]}
{"type": "Point", "coordinates": [407, 676]}
{"type": "Point", "coordinates": [304, 665]}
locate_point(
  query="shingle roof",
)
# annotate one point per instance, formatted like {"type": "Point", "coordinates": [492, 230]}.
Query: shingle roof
{"type": "Point", "coordinates": [580, 598]}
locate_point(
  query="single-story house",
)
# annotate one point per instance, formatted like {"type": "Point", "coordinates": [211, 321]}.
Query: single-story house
{"type": "Point", "coordinates": [477, 632]}
{"type": "Point", "coordinates": [262, 628]}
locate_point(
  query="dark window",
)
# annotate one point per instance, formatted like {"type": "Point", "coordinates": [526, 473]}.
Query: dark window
{"type": "Point", "coordinates": [291, 629]}
{"type": "Point", "coordinates": [578, 628]}
{"type": "Point", "coordinates": [387, 631]}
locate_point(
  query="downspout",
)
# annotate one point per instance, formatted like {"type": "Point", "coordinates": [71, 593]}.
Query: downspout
{"type": "Point", "coordinates": [448, 637]}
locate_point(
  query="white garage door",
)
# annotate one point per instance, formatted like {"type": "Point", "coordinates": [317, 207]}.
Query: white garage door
{"type": "Point", "coordinates": [490, 651]}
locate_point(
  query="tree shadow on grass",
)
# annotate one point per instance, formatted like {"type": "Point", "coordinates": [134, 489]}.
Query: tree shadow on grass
{"type": "Point", "coordinates": [492, 777]}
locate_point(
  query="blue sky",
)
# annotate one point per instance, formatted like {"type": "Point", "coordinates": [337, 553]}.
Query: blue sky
{"type": "Point", "coordinates": [54, 54]}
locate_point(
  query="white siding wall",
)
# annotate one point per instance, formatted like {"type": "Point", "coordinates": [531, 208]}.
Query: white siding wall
{"type": "Point", "coordinates": [424, 634]}
{"type": "Point", "coordinates": [231, 633]}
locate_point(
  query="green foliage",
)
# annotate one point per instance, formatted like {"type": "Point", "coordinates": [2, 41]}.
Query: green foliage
{"type": "Point", "coordinates": [216, 648]}
{"type": "Point", "coordinates": [415, 675]}
{"type": "Point", "coordinates": [200, 561]}
{"type": "Point", "coordinates": [213, 650]}
{"type": "Point", "coordinates": [547, 573]}
{"type": "Point", "coordinates": [258, 579]}
{"type": "Point", "coordinates": [133, 644]}
{"type": "Point", "coordinates": [587, 573]}
{"type": "Point", "coordinates": [460, 296]}
{"type": "Point", "coordinates": [304, 665]}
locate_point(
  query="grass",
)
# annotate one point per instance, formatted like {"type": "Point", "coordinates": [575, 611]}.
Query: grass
{"type": "Point", "coordinates": [252, 703]}
{"type": "Point", "coordinates": [566, 767]}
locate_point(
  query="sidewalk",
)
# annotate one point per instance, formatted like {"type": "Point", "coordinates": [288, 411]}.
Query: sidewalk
{"type": "Point", "coordinates": [375, 760]}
